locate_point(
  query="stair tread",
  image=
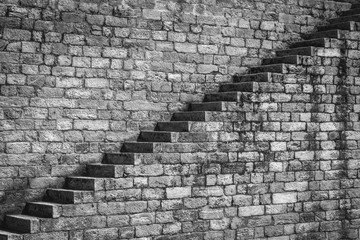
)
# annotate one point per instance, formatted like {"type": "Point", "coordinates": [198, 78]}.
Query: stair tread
{"type": "Point", "coordinates": [23, 216]}
{"type": "Point", "coordinates": [69, 190]}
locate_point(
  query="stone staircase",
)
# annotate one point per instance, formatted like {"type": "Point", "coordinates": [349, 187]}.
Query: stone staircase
{"type": "Point", "coordinates": [114, 186]}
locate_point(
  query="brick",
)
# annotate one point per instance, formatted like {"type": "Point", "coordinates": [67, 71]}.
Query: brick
{"type": "Point", "coordinates": [17, 34]}
{"type": "Point", "coordinates": [279, 198]}
{"type": "Point", "coordinates": [178, 192]}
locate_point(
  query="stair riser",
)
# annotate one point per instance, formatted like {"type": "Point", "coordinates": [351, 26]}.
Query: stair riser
{"type": "Point", "coordinates": [84, 184]}
{"type": "Point", "coordinates": [350, 26]}
{"type": "Point", "coordinates": [306, 51]}
{"type": "Point", "coordinates": [190, 116]}
{"type": "Point", "coordinates": [138, 147]}
{"type": "Point", "coordinates": [118, 159]}
{"type": "Point", "coordinates": [355, 18]}
{"type": "Point", "coordinates": [155, 137]}
{"type": "Point", "coordinates": [311, 43]}
{"type": "Point", "coordinates": [110, 171]}
{"type": "Point", "coordinates": [241, 87]}
{"type": "Point", "coordinates": [217, 106]}
{"type": "Point", "coordinates": [350, 12]}
{"type": "Point", "coordinates": [70, 197]}
{"type": "Point", "coordinates": [260, 77]}
{"type": "Point", "coordinates": [173, 127]}
{"type": "Point", "coordinates": [281, 68]}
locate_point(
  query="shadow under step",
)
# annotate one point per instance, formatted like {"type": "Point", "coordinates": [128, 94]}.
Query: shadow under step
{"type": "Point", "coordinates": [105, 170]}
{"type": "Point", "coordinates": [294, 59]}
{"type": "Point", "coordinates": [355, 5]}
{"type": "Point", "coordinates": [68, 196]}
{"type": "Point", "coordinates": [43, 209]}
{"type": "Point", "coordinates": [22, 223]}
{"type": "Point", "coordinates": [354, 18]}
{"type": "Point", "coordinates": [84, 183]}
{"type": "Point", "coordinates": [349, 26]}
{"type": "Point", "coordinates": [305, 51]}
{"type": "Point", "coordinates": [5, 235]}
{"type": "Point", "coordinates": [188, 126]}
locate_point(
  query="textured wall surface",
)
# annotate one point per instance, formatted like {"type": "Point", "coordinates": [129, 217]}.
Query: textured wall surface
{"type": "Point", "coordinates": [79, 78]}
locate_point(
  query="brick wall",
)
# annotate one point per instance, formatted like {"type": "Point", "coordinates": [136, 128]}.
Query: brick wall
{"type": "Point", "coordinates": [78, 78]}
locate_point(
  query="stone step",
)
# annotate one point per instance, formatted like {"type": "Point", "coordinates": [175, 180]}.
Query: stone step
{"type": "Point", "coordinates": [5, 235]}
{"type": "Point", "coordinates": [119, 159]}
{"type": "Point", "coordinates": [114, 158]}
{"type": "Point", "coordinates": [339, 34]}
{"type": "Point", "coordinates": [68, 196]}
{"type": "Point", "coordinates": [350, 12]}
{"type": "Point", "coordinates": [208, 106]}
{"type": "Point", "coordinates": [84, 183]}
{"type": "Point", "coordinates": [193, 136]}
{"type": "Point", "coordinates": [278, 68]}
{"type": "Point", "coordinates": [305, 51]}
{"type": "Point", "coordinates": [240, 87]}
{"type": "Point", "coordinates": [222, 106]}
{"type": "Point", "coordinates": [156, 136]}
{"type": "Point", "coordinates": [150, 158]}
{"type": "Point", "coordinates": [316, 42]}
{"type": "Point", "coordinates": [256, 77]}
{"type": "Point", "coordinates": [22, 223]}
{"type": "Point", "coordinates": [349, 25]}
{"type": "Point", "coordinates": [195, 126]}
{"type": "Point", "coordinates": [224, 96]}
{"type": "Point", "coordinates": [208, 116]}
{"type": "Point", "coordinates": [43, 209]}
{"type": "Point", "coordinates": [191, 116]}
{"type": "Point", "coordinates": [355, 18]}
{"type": "Point", "coordinates": [104, 170]}
{"type": "Point", "coordinates": [138, 147]}
{"type": "Point", "coordinates": [172, 126]}
{"type": "Point", "coordinates": [252, 87]}
{"type": "Point", "coordinates": [295, 59]}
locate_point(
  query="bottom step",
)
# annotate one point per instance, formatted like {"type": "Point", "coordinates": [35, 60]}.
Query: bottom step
{"type": "Point", "coordinates": [4, 235]}
{"type": "Point", "coordinates": [22, 223]}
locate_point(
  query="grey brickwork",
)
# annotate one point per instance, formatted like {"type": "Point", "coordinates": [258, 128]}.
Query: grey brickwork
{"type": "Point", "coordinates": [186, 119]}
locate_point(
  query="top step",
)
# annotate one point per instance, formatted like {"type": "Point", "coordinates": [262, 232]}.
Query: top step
{"type": "Point", "coordinates": [355, 18]}
{"type": "Point", "coordinates": [350, 12]}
